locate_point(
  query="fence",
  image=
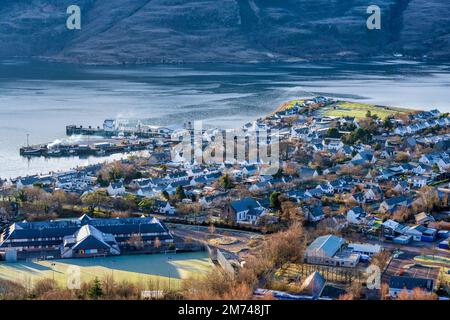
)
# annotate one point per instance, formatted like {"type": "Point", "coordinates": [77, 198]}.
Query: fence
{"type": "Point", "coordinates": [298, 272]}
{"type": "Point", "coordinates": [217, 256]}
{"type": "Point", "coordinates": [225, 263]}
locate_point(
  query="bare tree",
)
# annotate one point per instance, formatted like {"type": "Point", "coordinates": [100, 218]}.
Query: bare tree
{"type": "Point", "coordinates": [136, 241]}
{"type": "Point", "coordinates": [212, 229]}
{"type": "Point", "coordinates": [157, 243]}
{"type": "Point", "coordinates": [384, 291]}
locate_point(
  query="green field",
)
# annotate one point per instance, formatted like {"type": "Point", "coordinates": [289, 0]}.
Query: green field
{"type": "Point", "coordinates": [441, 262]}
{"type": "Point", "coordinates": [155, 269]}
{"type": "Point", "coordinates": [359, 110]}
{"type": "Point", "coordinates": [436, 259]}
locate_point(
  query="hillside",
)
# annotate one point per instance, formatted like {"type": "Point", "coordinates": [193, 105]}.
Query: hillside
{"type": "Point", "coordinates": [154, 31]}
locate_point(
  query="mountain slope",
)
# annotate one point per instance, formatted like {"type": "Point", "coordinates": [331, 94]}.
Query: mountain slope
{"type": "Point", "coordinates": [153, 31]}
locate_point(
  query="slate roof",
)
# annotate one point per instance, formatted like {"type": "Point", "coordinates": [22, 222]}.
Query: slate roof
{"type": "Point", "coordinates": [256, 212]}
{"type": "Point", "coordinates": [89, 237]}
{"type": "Point", "coordinates": [316, 211]}
{"type": "Point", "coordinates": [366, 155]}
{"type": "Point", "coordinates": [401, 282]}
{"type": "Point", "coordinates": [332, 292]}
{"type": "Point", "coordinates": [117, 185]}
{"type": "Point", "coordinates": [313, 285]}
{"type": "Point", "coordinates": [358, 210]}
{"type": "Point", "coordinates": [63, 228]}
{"type": "Point", "coordinates": [396, 200]}
{"type": "Point", "coordinates": [244, 204]}
{"type": "Point", "coordinates": [325, 245]}
{"type": "Point", "coordinates": [179, 174]}
{"type": "Point", "coordinates": [305, 172]}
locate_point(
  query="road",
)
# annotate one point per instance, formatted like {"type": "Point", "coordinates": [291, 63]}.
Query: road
{"type": "Point", "coordinates": [413, 249]}
{"type": "Point", "coordinates": [242, 239]}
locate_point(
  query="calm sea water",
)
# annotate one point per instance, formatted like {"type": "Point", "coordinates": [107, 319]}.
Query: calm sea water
{"type": "Point", "coordinates": [40, 99]}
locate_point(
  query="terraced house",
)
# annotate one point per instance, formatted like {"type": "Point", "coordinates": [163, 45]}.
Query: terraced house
{"type": "Point", "coordinates": [82, 237]}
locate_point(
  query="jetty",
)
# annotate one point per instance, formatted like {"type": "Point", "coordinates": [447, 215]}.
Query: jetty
{"type": "Point", "coordinates": [99, 147]}
{"type": "Point", "coordinates": [114, 128]}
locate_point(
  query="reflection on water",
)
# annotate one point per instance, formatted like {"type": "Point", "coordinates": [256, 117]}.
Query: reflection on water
{"type": "Point", "coordinates": [40, 99]}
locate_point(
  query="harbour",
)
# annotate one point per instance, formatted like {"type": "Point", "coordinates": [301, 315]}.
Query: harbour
{"type": "Point", "coordinates": [111, 138]}
{"type": "Point", "coordinates": [31, 102]}
{"type": "Point", "coordinates": [97, 147]}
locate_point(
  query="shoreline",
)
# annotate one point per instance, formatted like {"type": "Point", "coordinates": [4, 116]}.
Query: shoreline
{"type": "Point", "coordinates": [281, 108]}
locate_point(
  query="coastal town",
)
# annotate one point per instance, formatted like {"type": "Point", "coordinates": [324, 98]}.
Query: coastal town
{"type": "Point", "coordinates": [358, 207]}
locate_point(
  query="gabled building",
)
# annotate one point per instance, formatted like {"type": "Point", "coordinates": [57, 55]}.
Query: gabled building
{"type": "Point", "coordinates": [326, 188]}
{"type": "Point", "coordinates": [365, 156]}
{"type": "Point", "coordinates": [82, 237]}
{"type": "Point", "coordinates": [391, 229]}
{"type": "Point", "coordinates": [89, 241]}
{"type": "Point", "coordinates": [332, 251]}
{"type": "Point", "coordinates": [402, 187]}
{"type": "Point", "coordinates": [164, 207]}
{"type": "Point", "coordinates": [306, 173]}
{"type": "Point", "coordinates": [177, 176]}
{"type": "Point", "coordinates": [422, 168]}
{"type": "Point", "coordinates": [31, 181]}
{"type": "Point", "coordinates": [444, 164]}
{"type": "Point", "coordinates": [116, 189]}
{"type": "Point", "coordinates": [356, 215]}
{"type": "Point", "coordinates": [315, 213]}
{"type": "Point", "coordinates": [421, 233]}
{"type": "Point", "coordinates": [397, 284]}
{"type": "Point", "coordinates": [313, 285]}
{"type": "Point", "coordinates": [246, 211]}
{"type": "Point", "coordinates": [418, 181]}
{"type": "Point", "coordinates": [392, 203]}
{"type": "Point", "coordinates": [423, 218]}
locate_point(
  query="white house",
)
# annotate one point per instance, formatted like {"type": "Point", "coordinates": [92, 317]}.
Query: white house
{"type": "Point", "coordinates": [402, 187]}
{"type": "Point", "coordinates": [116, 189]}
{"type": "Point", "coordinates": [164, 207]}
{"type": "Point", "coordinates": [418, 181]}
{"type": "Point", "coordinates": [245, 211]}
{"type": "Point", "coordinates": [444, 164]}
{"type": "Point", "coordinates": [414, 233]}
{"type": "Point", "coordinates": [372, 194]}
{"type": "Point", "coordinates": [326, 187]}
{"type": "Point", "coordinates": [365, 156]}
{"type": "Point", "coordinates": [30, 181]}
{"type": "Point", "coordinates": [333, 144]}
{"type": "Point", "coordinates": [365, 248]}
{"type": "Point", "coordinates": [356, 215]}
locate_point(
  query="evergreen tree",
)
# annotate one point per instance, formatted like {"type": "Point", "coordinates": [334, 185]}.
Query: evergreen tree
{"type": "Point", "coordinates": [274, 200]}
{"type": "Point", "coordinates": [225, 182]}
{"type": "Point", "coordinates": [333, 133]}
{"type": "Point", "coordinates": [166, 195]}
{"type": "Point", "coordinates": [95, 291]}
{"type": "Point", "coordinates": [180, 193]}
{"type": "Point", "coordinates": [436, 169]}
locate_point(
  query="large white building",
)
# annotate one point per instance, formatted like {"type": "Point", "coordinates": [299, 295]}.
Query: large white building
{"type": "Point", "coordinates": [332, 251]}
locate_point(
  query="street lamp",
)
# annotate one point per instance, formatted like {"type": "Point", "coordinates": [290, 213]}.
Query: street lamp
{"type": "Point", "coordinates": [53, 270]}
{"type": "Point", "coordinates": [169, 281]}
{"type": "Point", "coordinates": [112, 268]}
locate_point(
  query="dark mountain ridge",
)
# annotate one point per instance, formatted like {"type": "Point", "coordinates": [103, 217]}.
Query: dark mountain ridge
{"type": "Point", "coordinates": [243, 31]}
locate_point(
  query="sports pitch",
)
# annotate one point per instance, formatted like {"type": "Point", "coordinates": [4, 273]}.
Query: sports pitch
{"type": "Point", "coordinates": [155, 269]}
{"type": "Point", "coordinates": [359, 110]}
